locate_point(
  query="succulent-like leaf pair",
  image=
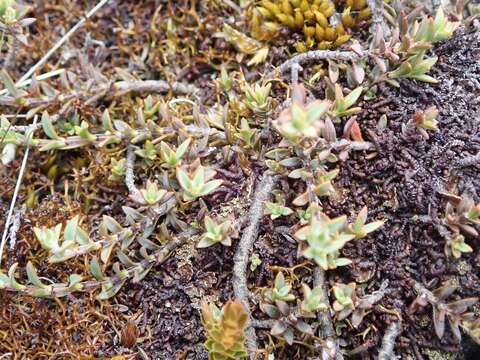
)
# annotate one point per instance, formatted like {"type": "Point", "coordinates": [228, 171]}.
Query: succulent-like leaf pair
{"type": "Point", "coordinates": [461, 214]}
{"type": "Point", "coordinates": [169, 157]}
{"type": "Point", "coordinates": [215, 233]}
{"type": "Point", "coordinates": [431, 30]}
{"type": "Point", "coordinates": [196, 183]}
{"type": "Point", "coordinates": [359, 228]}
{"type": "Point", "coordinates": [342, 105]}
{"type": "Point", "coordinates": [322, 186]}
{"type": "Point", "coordinates": [312, 300]}
{"type": "Point", "coordinates": [310, 120]}
{"type": "Point", "coordinates": [325, 237]}
{"type": "Point", "coordinates": [152, 194]}
{"type": "Point", "coordinates": [280, 291]}
{"type": "Point", "coordinates": [347, 302]}
{"type": "Point", "coordinates": [415, 67]}
{"type": "Point", "coordinates": [345, 299]}
{"type": "Point", "coordinates": [257, 97]}
{"type": "Point", "coordinates": [75, 241]}
{"type": "Point", "coordinates": [118, 169]}
{"type": "Point", "coordinates": [277, 209]}
{"type": "Point", "coordinates": [301, 119]}
{"type": "Point", "coordinates": [456, 245]}
{"type": "Point", "coordinates": [455, 311]}
{"type": "Point", "coordinates": [287, 319]}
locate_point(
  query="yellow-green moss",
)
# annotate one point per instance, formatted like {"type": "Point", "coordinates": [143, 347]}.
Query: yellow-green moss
{"type": "Point", "coordinates": [441, 355]}
{"type": "Point", "coordinates": [313, 18]}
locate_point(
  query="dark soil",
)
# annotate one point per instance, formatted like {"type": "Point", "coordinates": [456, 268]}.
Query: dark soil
{"type": "Point", "coordinates": [401, 184]}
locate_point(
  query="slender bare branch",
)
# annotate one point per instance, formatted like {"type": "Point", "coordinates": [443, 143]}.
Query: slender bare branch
{"type": "Point", "coordinates": [313, 56]}
{"type": "Point", "coordinates": [17, 219]}
{"type": "Point", "coordinates": [295, 69]}
{"type": "Point", "coordinates": [469, 160]}
{"type": "Point", "coordinates": [331, 349]}
{"type": "Point", "coordinates": [388, 341]}
{"type": "Point", "coordinates": [160, 86]}
{"type": "Point", "coordinates": [130, 175]}
{"type": "Point", "coordinates": [119, 88]}
{"type": "Point", "coordinates": [240, 259]}
{"type": "Point", "coordinates": [377, 16]}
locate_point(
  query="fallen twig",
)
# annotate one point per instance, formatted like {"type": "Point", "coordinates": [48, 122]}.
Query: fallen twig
{"type": "Point", "coordinates": [295, 69]}
{"type": "Point", "coordinates": [353, 145]}
{"type": "Point", "coordinates": [331, 349]}
{"type": "Point", "coordinates": [158, 258]}
{"type": "Point", "coordinates": [160, 86]}
{"type": "Point", "coordinates": [423, 292]}
{"type": "Point", "coordinates": [261, 324]}
{"type": "Point", "coordinates": [315, 55]}
{"type": "Point", "coordinates": [377, 295]}
{"type": "Point", "coordinates": [469, 160]}
{"type": "Point", "coordinates": [377, 16]}
{"type": "Point", "coordinates": [119, 88]}
{"type": "Point", "coordinates": [17, 218]}
{"type": "Point", "coordinates": [130, 175]}
{"type": "Point", "coordinates": [388, 341]}
{"type": "Point", "coordinates": [240, 259]}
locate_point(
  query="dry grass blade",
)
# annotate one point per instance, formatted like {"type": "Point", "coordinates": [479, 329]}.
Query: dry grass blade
{"type": "Point", "coordinates": [17, 189]}
{"type": "Point", "coordinates": [62, 41]}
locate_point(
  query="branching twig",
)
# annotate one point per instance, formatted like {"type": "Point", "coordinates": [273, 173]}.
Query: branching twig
{"type": "Point", "coordinates": [377, 16]}
{"type": "Point", "coordinates": [130, 175]}
{"type": "Point", "coordinates": [388, 341]}
{"type": "Point", "coordinates": [241, 255]}
{"type": "Point", "coordinates": [262, 324]}
{"type": "Point", "coordinates": [17, 218]}
{"type": "Point", "coordinates": [158, 258]}
{"type": "Point", "coordinates": [353, 145]}
{"type": "Point", "coordinates": [377, 295]}
{"type": "Point", "coordinates": [119, 88]}
{"type": "Point", "coordinates": [12, 53]}
{"type": "Point", "coordinates": [160, 86]}
{"type": "Point", "coordinates": [422, 291]}
{"type": "Point", "coordinates": [17, 189]}
{"type": "Point", "coordinates": [295, 69]}
{"type": "Point", "coordinates": [315, 55]}
{"type": "Point", "coordinates": [331, 349]}
{"type": "Point", "coordinates": [469, 160]}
